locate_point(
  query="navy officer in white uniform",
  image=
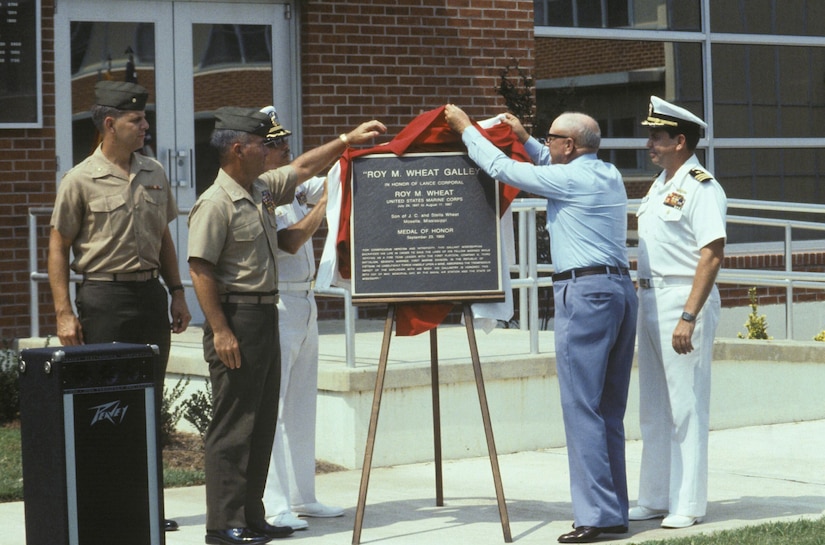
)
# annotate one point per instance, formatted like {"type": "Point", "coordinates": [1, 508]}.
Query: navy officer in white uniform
{"type": "Point", "coordinates": [681, 248]}
{"type": "Point", "coordinates": [595, 302]}
{"type": "Point", "coordinates": [290, 484]}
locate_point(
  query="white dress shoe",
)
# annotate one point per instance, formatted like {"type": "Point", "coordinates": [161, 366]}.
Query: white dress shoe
{"type": "Point", "coordinates": [641, 512]}
{"type": "Point", "coordinates": [288, 519]}
{"type": "Point", "coordinates": [317, 510]}
{"type": "Point", "coordinates": [680, 521]}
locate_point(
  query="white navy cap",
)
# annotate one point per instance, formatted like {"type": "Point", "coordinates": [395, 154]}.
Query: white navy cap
{"type": "Point", "coordinates": [662, 113]}
{"type": "Point", "coordinates": [277, 130]}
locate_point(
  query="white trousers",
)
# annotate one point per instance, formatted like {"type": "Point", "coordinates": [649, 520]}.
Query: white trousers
{"type": "Point", "coordinates": [674, 403]}
{"type": "Point", "coordinates": [291, 477]}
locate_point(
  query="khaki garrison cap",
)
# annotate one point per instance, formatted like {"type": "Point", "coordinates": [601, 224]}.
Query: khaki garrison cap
{"type": "Point", "coordinates": [277, 130]}
{"type": "Point", "coordinates": [248, 120]}
{"type": "Point", "coordinates": [122, 95]}
{"type": "Point", "coordinates": [662, 113]}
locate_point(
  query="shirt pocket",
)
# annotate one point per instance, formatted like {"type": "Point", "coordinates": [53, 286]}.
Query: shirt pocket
{"type": "Point", "coordinates": [110, 216]}
{"type": "Point", "coordinates": [153, 212]}
{"type": "Point", "coordinates": [247, 232]}
{"type": "Point", "coordinates": [669, 220]}
{"type": "Point", "coordinates": [246, 245]}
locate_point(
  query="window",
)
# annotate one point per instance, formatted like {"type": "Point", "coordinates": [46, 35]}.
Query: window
{"type": "Point", "coordinates": [683, 15]}
{"type": "Point", "coordinates": [756, 75]}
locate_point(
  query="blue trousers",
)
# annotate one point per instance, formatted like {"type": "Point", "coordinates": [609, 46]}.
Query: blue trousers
{"type": "Point", "coordinates": [595, 329]}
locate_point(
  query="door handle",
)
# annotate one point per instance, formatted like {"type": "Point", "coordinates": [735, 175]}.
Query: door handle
{"type": "Point", "coordinates": [183, 168]}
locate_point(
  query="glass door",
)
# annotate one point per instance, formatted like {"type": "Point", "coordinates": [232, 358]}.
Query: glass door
{"type": "Point", "coordinates": [193, 57]}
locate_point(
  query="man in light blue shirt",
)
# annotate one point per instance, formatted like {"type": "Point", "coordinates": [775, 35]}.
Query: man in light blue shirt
{"type": "Point", "coordinates": [594, 297]}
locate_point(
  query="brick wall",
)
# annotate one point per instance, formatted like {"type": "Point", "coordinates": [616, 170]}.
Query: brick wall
{"type": "Point", "coordinates": [737, 295]}
{"type": "Point", "coordinates": [568, 57]}
{"type": "Point", "coordinates": [27, 176]}
{"type": "Point", "coordinates": [394, 60]}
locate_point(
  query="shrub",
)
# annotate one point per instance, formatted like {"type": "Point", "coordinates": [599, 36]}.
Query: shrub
{"type": "Point", "coordinates": [198, 409]}
{"type": "Point", "coordinates": [757, 325]}
{"type": "Point", "coordinates": [170, 411]}
{"type": "Point", "coordinates": [9, 388]}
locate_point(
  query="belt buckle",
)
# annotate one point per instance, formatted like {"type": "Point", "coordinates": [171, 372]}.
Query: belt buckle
{"type": "Point", "coordinates": [645, 283]}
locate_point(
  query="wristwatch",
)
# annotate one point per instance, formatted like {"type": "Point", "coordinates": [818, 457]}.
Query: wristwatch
{"type": "Point", "coordinates": [688, 317]}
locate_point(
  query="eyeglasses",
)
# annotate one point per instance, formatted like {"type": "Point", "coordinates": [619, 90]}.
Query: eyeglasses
{"type": "Point", "coordinates": [277, 142]}
{"type": "Point", "coordinates": [551, 136]}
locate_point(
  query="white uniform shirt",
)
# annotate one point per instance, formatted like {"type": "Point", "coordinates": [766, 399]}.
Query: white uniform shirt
{"type": "Point", "coordinates": [298, 267]}
{"type": "Point", "coordinates": [677, 219]}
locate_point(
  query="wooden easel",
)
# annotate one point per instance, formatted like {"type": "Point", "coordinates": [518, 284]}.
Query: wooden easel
{"type": "Point", "coordinates": [485, 415]}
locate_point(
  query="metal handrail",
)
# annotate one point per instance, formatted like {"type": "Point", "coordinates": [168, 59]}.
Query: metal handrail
{"type": "Point", "coordinates": [532, 275]}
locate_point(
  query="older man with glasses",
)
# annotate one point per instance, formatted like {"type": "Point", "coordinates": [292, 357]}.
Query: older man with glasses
{"type": "Point", "coordinates": [595, 303]}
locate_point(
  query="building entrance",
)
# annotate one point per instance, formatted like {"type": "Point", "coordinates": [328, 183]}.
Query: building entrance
{"type": "Point", "coordinates": [193, 57]}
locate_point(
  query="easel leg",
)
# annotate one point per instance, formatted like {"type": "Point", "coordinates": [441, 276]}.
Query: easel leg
{"type": "Point", "coordinates": [439, 482]}
{"type": "Point", "coordinates": [376, 407]}
{"type": "Point", "coordinates": [488, 428]}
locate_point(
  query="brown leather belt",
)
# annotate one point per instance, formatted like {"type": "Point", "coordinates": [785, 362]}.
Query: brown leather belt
{"type": "Point", "coordinates": [137, 276]}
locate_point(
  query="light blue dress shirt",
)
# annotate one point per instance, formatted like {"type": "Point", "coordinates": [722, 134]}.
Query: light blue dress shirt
{"type": "Point", "coordinates": [586, 200]}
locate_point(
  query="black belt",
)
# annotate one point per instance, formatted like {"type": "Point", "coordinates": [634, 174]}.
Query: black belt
{"type": "Point", "coordinates": [589, 271]}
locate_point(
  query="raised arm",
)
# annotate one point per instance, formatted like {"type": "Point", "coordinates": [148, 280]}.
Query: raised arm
{"type": "Point", "coordinates": [314, 161]}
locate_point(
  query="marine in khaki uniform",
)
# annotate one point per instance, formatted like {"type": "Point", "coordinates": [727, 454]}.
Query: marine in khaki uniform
{"type": "Point", "coordinates": [232, 248]}
{"type": "Point", "coordinates": [681, 248]}
{"type": "Point", "coordinates": [112, 211]}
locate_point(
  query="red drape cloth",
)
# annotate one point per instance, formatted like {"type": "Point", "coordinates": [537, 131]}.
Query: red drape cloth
{"type": "Point", "coordinates": [427, 131]}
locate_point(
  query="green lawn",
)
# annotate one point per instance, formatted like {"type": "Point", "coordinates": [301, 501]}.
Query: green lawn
{"type": "Point", "coordinates": [11, 470]}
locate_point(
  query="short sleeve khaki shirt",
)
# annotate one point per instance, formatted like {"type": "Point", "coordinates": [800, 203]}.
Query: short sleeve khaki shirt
{"type": "Point", "coordinates": [236, 230]}
{"type": "Point", "coordinates": [115, 224]}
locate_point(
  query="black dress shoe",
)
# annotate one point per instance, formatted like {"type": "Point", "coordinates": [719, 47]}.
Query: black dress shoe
{"type": "Point", "coordinates": [589, 534]}
{"type": "Point", "coordinates": [609, 529]}
{"type": "Point", "coordinates": [170, 525]}
{"type": "Point", "coordinates": [235, 536]}
{"type": "Point", "coordinates": [270, 530]}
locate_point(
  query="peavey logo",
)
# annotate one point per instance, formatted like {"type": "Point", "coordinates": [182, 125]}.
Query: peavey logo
{"type": "Point", "coordinates": [111, 412]}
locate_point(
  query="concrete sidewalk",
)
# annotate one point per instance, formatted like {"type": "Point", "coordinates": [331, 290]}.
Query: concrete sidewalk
{"type": "Point", "coordinates": [757, 474]}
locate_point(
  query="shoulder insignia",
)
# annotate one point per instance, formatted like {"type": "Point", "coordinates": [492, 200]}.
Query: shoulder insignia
{"type": "Point", "coordinates": [700, 175]}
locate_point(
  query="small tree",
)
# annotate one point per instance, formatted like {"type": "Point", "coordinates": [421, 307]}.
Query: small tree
{"type": "Point", "coordinates": [757, 325]}
{"type": "Point", "coordinates": [518, 95]}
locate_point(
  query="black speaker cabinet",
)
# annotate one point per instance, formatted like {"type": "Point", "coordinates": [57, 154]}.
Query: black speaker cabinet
{"type": "Point", "coordinates": [91, 473]}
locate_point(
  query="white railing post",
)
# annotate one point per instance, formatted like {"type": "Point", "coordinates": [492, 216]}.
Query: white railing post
{"type": "Point", "coordinates": [789, 286]}
{"type": "Point", "coordinates": [523, 260]}
{"type": "Point", "coordinates": [532, 268]}
{"type": "Point", "coordinates": [34, 310]}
